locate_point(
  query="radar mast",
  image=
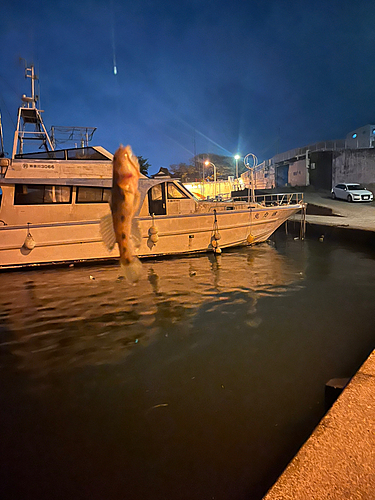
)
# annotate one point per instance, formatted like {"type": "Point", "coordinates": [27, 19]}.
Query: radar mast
{"type": "Point", "coordinates": [30, 126]}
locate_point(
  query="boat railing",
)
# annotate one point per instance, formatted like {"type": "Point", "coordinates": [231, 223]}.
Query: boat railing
{"type": "Point", "coordinates": [272, 199]}
{"type": "Point", "coordinates": [243, 203]}
{"type": "Point", "coordinates": [279, 199]}
{"type": "Point", "coordinates": [4, 164]}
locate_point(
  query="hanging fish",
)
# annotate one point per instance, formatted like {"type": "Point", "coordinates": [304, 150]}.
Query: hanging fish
{"type": "Point", "coordinates": [119, 226]}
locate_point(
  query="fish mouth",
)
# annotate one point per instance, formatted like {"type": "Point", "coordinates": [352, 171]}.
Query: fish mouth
{"type": "Point", "coordinates": [127, 153]}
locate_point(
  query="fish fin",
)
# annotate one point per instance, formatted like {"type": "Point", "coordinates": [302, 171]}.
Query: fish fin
{"type": "Point", "coordinates": [136, 235]}
{"type": "Point", "coordinates": [107, 231]}
{"type": "Point", "coordinates": [132, 271]}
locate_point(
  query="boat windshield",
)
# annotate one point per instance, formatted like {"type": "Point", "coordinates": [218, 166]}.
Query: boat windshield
{"type": "Point", "coordinates": [43, 155]}
{"type": "Point", "coordinates": [87, 153]}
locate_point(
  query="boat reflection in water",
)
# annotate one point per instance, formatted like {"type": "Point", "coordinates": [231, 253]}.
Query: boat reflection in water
{"type": "Point", "coordinates": [65, 318]}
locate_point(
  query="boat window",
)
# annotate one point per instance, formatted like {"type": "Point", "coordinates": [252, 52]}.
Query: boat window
{"type": "Point", "coordinates": [44, 155]}
{"type": "Point", "coordinates": [70, 154]}
{"type": "Point", "coordinates": [93, 195]}
{"type": "Point", "coordinates": [156, 192]}
{"type": "Point", "coordinates": [35, 194]}
{"type": "Point", "coordinates": [174, 192]}
{"type": "Point", "coordinates": [85, 154]}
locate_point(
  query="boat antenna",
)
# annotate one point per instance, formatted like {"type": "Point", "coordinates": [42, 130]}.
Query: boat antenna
{"type": "Point", "coordinates": [252, 169]}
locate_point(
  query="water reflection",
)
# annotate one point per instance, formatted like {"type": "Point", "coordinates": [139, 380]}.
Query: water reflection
{"type": "Point", "coordinates": [201, 381]}
{"type": "Point", "coordinates": [88, 316]}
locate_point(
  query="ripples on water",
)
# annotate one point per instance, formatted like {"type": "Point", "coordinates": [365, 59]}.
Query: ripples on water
{"type": "Point", "coordinates": [198, 382]}
{"type": "Point", "coordinates": [91, 315]}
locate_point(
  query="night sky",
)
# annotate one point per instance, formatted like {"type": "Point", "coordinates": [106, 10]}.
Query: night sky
{"type": "Point", "coordinates": [193, 76]}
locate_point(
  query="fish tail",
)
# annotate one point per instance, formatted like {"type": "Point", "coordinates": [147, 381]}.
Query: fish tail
{"type": "Point", "coordinates": [132, 270]}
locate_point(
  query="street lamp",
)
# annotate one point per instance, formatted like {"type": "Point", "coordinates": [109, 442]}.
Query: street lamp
{"type": "Point", "coordinates": [237, 157]}
{"type": "Point", "coordinates": [203, 181]}
{"type": "Point", "coordinates": [210, 163]}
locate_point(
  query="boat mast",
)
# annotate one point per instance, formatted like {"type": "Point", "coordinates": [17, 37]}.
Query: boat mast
{"type": "Point", "coordinates": [29, 114]}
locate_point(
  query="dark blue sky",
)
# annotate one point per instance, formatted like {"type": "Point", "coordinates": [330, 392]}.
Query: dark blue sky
{"type": "Point", "coordinates": [236, 75]}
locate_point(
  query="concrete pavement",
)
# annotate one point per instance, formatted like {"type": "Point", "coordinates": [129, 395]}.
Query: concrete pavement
{"type": "Point", "coordinates": [344, 214]}
{"type": "Point", "coordinates": [338, 460]}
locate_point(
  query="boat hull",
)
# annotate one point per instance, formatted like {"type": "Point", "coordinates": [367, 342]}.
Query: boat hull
{"type": "Point", "coordinates": [55, 243]}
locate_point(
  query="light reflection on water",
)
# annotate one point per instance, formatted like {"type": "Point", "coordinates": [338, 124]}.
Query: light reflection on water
{"type": "Point", "coordinates": [200, 381]}
{"type": "Point", "coordinates": [80, 316]}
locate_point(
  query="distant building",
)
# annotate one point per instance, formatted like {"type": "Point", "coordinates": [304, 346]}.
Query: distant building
{"type": "Point", "coordinates": [363, 137]}
{"type": "Point", "coordinates": [163, 172]}
{"type": "Point", "coordinates": [323, 164]}
{"type": "Point", "coordinates": [263, 175]}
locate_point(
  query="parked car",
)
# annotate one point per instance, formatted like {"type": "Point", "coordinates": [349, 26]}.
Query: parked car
{"type": "Point", "coordinates": [351, 192]}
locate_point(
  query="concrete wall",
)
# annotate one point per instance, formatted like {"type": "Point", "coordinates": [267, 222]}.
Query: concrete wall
{"type": "Point", "coordinates": [298, 174]}
{"type": "Point", "coordinates": [355, 165]}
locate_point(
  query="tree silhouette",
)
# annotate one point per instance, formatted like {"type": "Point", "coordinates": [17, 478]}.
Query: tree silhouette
{"type": "Point", "coordinates": [144, 165]}
{"type": "Point", "coordinates": [225, 166]}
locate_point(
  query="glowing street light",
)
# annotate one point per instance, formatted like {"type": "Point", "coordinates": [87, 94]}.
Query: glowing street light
{"type": "Point", "coordinates": [237, 157]}
{"type": "Point", "coordinates": [210, 163]}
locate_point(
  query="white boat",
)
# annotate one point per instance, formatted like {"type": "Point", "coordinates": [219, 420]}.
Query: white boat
{"type": "Point", "coordinates": [52, 202]}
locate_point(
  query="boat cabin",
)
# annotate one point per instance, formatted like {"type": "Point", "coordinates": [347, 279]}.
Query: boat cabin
{"type": "Point", "coordinates": [165, 196]}
{"type": "Point", "coordinates": [49, 186]}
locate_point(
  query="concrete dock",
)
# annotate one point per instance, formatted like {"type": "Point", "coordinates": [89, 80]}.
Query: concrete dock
{"type": "Point", "coordinates": [338, 460]}
{"type": "Point", "coordinates": [324, 211]}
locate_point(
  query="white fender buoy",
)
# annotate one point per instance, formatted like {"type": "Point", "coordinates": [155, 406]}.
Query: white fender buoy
{"type": "Point", "coordinates": [29, 242]}
{"type": "Point", "coordinates": [153, 234]}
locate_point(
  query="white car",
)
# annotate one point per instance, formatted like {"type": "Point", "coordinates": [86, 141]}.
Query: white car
{"type": "Point", "coordinates": [351, 192]}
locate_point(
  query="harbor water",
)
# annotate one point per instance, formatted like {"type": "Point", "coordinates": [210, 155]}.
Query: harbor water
{"type": "Point", "coordinates": [199, 382]}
